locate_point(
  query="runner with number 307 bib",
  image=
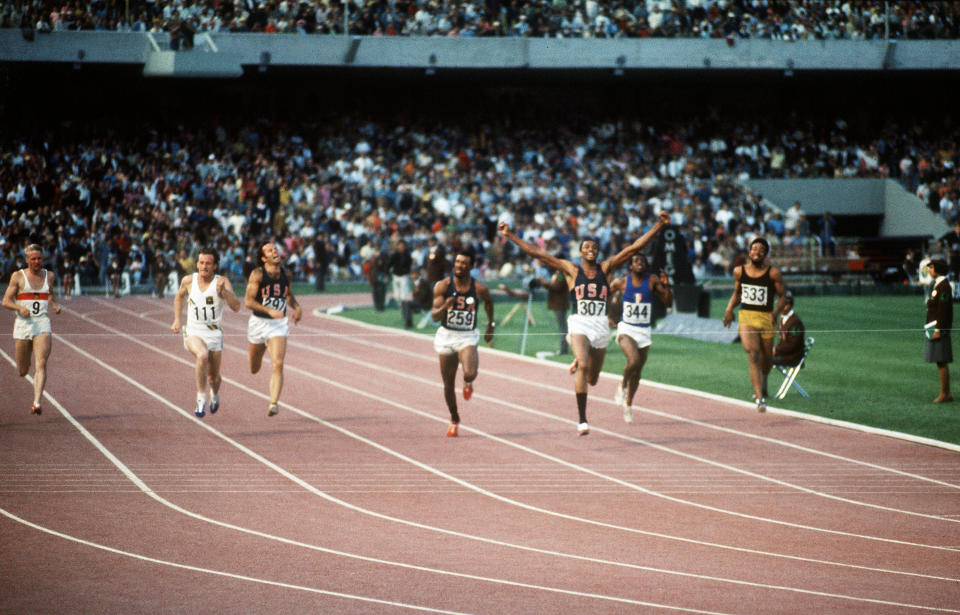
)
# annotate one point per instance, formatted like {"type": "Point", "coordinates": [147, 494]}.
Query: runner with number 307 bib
{"type": "Point", "coordinates": [589, 292]}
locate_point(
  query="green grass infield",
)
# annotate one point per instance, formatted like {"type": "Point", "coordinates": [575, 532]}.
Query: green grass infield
{"type": "Point", "coordinates": [866, 366]}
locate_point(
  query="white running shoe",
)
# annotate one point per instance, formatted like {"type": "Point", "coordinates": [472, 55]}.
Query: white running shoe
{"type": "Point", "coordinates": [627, 413]}
{"type": "Point", "coordinates": [200, 410]}
{"type": "Point", "coordinates": [620, 396]}
{"type": "Point", "coordinates": [583, 429]}
{"type": "Point", "coordinates": [761, 404]}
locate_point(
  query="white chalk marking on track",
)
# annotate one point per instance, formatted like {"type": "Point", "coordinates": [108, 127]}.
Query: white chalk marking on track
{"type": "Point", "coordinates": [144, 488]}
{"type": "Point", "coordinates": [220, 573]}
{"type": "Point", "coordinates": [490, 494]}
{"type": "Point", "coordinates": [659, 447]}
{"type": "Point", "coordinates": [659, 413]}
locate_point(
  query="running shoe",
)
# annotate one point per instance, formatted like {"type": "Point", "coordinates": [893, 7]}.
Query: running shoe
{"type": "Point", "coordinates": [200, 411]}
{"type": "Point", "coordinates": [36, 409]}
{"type": "Point", "coordinates": [274, 409]}
{"type": "Point", "coordinates": [574, 366]}
{"type": "Point", "coordinates": [619, 397]}
{"type": "Point", "coordinates": [452, 430]}
{"type": "Point", "coordinates": [215, 404]}
{"type": "Point", "coordinates": [627, 413]}
{"type": "Point", "coordinates": [583, 429]}
{"type": "Point", "coordinates": [467, 390]}
{"type": "Point", "coordinates": [761, 404]}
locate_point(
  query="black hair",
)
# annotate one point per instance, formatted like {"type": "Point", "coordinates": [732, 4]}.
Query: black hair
{"type": "Point", "coordinates": [211, 252]}
{"type": "Point", "coordinates": [761, 241]}
{"type": "Point", "coordinates": [469, 253]}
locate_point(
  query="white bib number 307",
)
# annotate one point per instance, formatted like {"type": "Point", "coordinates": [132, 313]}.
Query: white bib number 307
{"type": "Point", "coordinates": [591, 307]}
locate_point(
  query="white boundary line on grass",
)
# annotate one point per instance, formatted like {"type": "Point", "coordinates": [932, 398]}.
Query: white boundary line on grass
{"type": "Point", "coordinates": [679, 389]}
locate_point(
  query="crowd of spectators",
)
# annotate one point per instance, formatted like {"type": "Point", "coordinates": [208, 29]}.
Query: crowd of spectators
{"type": "Point", "coordinates": [772, 19]}
{"type": "Point", "coordinates": [337, 191]}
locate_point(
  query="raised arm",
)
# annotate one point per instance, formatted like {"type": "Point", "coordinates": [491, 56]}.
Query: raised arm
{"type": "Point", "coordinates": [567, 267]}
{"type": "Point", "coordinates": [617, 260]}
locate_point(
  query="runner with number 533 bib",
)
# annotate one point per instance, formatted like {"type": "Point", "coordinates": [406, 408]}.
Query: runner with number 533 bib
{"type": "Point", "coordinates": [756, 286]}
{"type": "Point", "coordinates": [589, 293]}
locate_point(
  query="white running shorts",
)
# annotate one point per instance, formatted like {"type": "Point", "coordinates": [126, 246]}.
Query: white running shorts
{"type": "Point", "coordinates": [213, 340]}
{"type": "Point", "coordinates": [447, 341]}
{"type": "Point", "coordinates": [259, 330]}
{"type": "Point", "coordinates": [596, 328]}
{"type": "Point", "coordinates": [641, 335]}
{"type": "Point", "coordinates": [29, 328]}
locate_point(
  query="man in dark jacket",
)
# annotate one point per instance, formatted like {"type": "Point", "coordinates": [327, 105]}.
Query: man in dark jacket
{"type": "Point", "coordinates": [937, 348]}
{"type": "Point", "coordinates": [789, 349]}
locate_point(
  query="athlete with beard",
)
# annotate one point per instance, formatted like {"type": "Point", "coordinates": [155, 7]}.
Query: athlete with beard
{"type": "Point", "coordinates": [756, 285]}
{"type": "Point", "coordinates": [455, 302]}
{"type": "Point", "coordinates": [589, 296]}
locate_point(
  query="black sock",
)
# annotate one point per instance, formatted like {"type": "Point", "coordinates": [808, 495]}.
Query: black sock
{"type": "Point", "coordinates": [582, 406]}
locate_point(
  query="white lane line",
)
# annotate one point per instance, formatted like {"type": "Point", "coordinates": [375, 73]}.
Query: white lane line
{"type": "Point", "coordinates": [395, 333]}
{"type": "Point", "coordinates": [659, 413]}
{"type": "Point", "coordinates": [144, 488]}
{"type": "Point", "coordinates": [484, 491]}
{"type": "Point", "coordinates": [435, 384]}
{"type": "Point", "coordinates": [665, 449]}
{"type": "Point", "coordinates": [220, 573]}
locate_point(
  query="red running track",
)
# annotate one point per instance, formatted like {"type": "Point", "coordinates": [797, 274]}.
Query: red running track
{"type": "Point", "coordinates": [351, 500]}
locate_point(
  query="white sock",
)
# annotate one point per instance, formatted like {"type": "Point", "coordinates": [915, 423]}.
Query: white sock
{"type": "Point", "coordinates": [201, 398]}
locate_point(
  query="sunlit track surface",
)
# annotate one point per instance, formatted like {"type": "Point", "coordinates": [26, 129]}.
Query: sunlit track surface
{"type": "Point", "coordinates": [352, 500]}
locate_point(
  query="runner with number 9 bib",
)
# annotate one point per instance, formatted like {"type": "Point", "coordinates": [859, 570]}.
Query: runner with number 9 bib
{"type": "Point", "coordinates": [30, 294]}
